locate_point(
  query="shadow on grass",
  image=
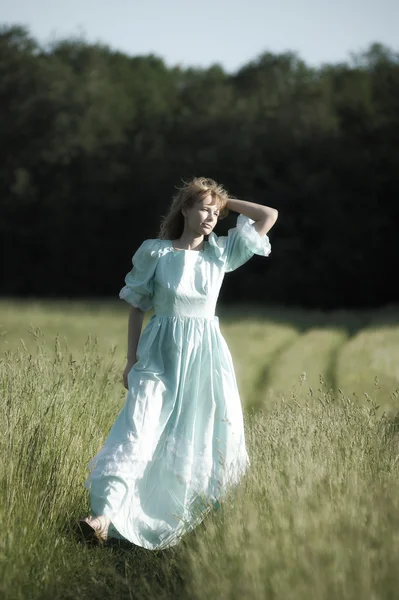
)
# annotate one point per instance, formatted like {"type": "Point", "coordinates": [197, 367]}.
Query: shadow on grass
{"type": "Point", "coordinates": [120, 570]}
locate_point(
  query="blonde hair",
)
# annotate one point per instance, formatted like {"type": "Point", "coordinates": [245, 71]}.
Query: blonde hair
{"type": "Point", "coordinates": [172, 224]}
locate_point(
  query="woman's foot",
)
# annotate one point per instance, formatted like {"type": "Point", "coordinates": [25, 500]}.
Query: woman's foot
{"type": "Point", "coordinates": [95, 529]}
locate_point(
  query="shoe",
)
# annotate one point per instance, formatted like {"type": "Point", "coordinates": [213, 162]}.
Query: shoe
{"type": "Point", "coordinates": [94, 530]}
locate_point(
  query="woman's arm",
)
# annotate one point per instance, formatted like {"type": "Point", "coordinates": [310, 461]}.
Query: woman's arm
{"type": "Point", "coordinates": [264, 216]}
{"type": "Point", "coordinates": [136, 317]}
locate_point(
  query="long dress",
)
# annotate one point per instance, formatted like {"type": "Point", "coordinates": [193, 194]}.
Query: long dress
{"type": "Point", "coordinates": [178, 444]}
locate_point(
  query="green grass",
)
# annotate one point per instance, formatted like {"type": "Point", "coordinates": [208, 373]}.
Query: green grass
{"type": "Point", "coordinates": [317, 516]}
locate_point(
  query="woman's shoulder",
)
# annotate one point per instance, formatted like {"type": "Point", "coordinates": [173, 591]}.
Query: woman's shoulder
{"type": "Point", "coordinates": [152, 247]}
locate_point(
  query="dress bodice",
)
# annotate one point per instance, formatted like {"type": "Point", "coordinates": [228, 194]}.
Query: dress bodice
{"type": "Point", "coordinates": [186, 283]}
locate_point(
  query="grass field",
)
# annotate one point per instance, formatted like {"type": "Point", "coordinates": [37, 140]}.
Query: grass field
{"type": "Point", "coordinates": [317, 516]}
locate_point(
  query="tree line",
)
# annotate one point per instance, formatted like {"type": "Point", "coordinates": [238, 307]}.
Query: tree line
{"type": "Point", "coordinates": [94, 142]}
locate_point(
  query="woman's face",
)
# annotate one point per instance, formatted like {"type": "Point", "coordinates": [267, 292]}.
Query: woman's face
{"type": "Point", "coordinates": [202, 217]}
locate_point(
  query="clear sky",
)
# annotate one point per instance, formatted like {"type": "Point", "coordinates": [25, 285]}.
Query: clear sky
{"type": "Point", "coordinates": [204, 32]}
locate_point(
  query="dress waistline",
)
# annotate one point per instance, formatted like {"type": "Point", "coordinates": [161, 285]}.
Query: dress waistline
{"type": "Point", "coordinates": [187, 317]}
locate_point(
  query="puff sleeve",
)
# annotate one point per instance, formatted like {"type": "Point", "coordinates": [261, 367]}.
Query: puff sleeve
{"type": "Point", "coordinates": [241, 243]}
{"type": "Point", "coordinates": [139, 288]}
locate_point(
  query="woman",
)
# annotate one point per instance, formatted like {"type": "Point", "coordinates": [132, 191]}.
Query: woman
{"type": "Point", "coordinates": [178, 443]}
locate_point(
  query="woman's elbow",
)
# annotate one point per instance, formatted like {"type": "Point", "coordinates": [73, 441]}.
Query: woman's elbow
{"type": "Point", "coordinates": [273, 215]}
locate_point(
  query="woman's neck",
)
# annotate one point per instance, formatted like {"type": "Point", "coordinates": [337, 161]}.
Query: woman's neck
{"type": "Point", "coordinates": [189, 242]}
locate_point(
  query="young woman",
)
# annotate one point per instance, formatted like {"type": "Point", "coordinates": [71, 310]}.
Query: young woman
{"type": "Point", "coordinates": [178, 444]}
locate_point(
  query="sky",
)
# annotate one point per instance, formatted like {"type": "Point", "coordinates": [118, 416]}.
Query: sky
{"type": "Point", "coordinates": [204, 32]}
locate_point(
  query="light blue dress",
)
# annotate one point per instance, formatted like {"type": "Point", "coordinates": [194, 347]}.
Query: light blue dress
{"type": "Point", "coordinates": [178, 444]}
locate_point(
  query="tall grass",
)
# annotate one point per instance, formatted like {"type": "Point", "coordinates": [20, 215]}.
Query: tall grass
{"type": "Point", "coordinates": [317, 515]}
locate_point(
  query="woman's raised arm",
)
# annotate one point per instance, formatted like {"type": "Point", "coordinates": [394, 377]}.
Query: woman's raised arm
{"type": "Point", "coordinates": [264, 216]}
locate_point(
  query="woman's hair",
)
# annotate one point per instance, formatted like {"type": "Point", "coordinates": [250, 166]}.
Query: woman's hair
{"type": "Point", "coordinates": [172, 224]}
